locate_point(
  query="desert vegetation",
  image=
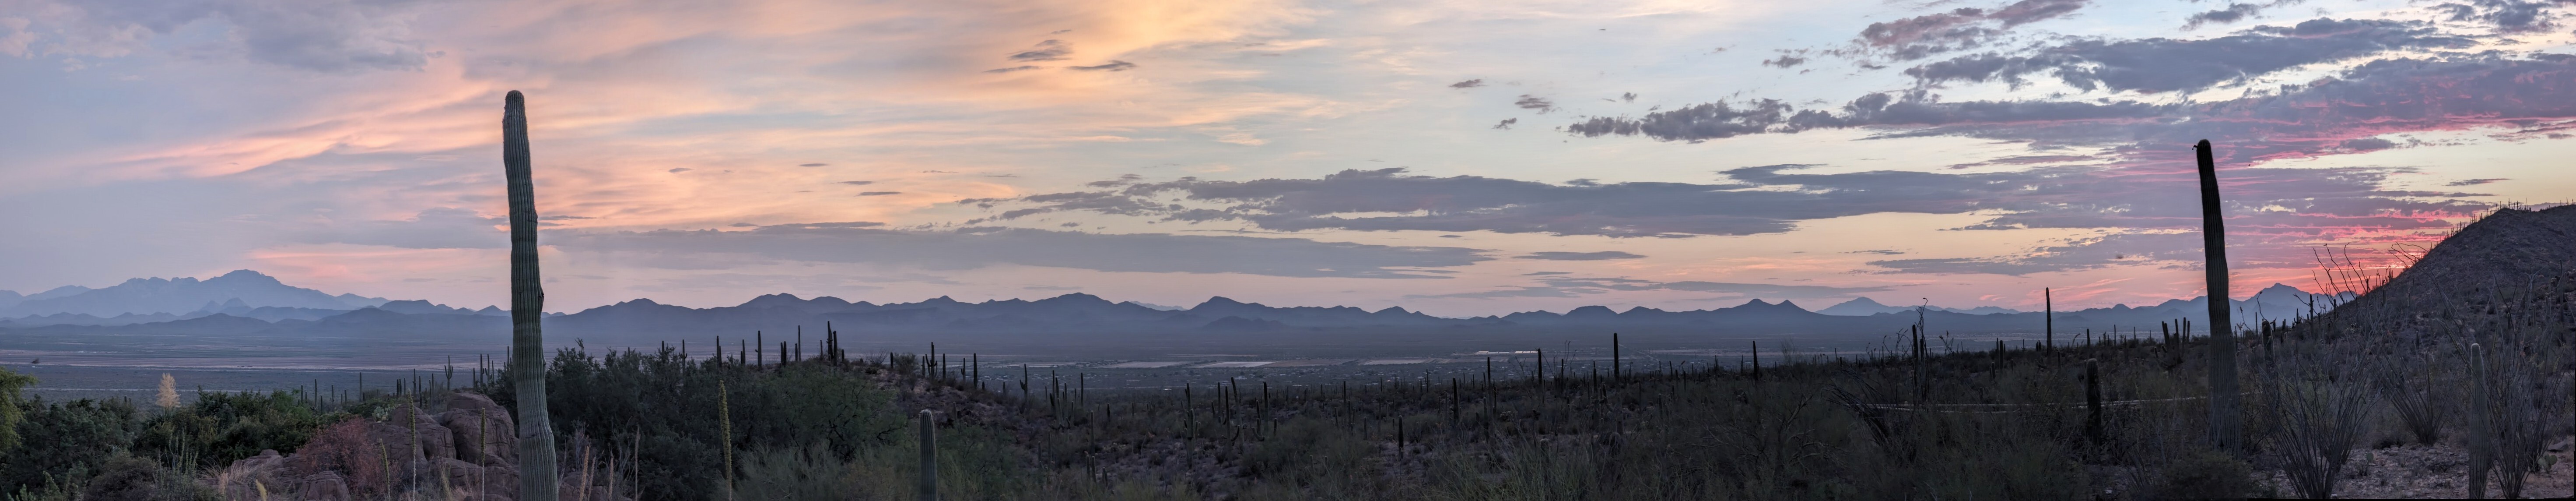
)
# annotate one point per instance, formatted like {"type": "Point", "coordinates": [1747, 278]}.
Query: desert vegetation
{"type": "Point", "coordinates": [2467, 351]}
{"type": "Point", "coordinates": [2119, 417]}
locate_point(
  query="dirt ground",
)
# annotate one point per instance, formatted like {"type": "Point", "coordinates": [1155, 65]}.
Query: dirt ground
{"type": "Point", "coordinates": [2434, 472]}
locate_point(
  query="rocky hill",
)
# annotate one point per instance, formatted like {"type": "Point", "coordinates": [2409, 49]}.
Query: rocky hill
{"type": "Point", "coordinates": [2509, 248]}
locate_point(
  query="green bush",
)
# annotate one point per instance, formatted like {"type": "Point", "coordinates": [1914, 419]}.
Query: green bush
{"type": "Point", "coordinates": [224, 427]}
{"type": "Point", "coordinates": [78, 437]}
{"type": "Point", "coordinates": [10, 382]}
{"type": "Point", "coordinates": [129, 478]}
{"type": "Point", "coordinates": [657, 412]}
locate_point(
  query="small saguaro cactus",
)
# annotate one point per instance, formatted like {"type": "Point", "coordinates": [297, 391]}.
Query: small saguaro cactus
{"type": "Point", "coordinates": [2093, 400]}
{"type": "Point", "coordinates": [929, 458]}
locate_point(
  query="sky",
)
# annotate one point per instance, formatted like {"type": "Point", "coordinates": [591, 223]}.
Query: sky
{"type": "Point", "coordinates": [1454, 158]}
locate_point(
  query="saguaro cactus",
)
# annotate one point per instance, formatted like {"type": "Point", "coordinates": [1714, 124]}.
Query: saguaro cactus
{"type": "Point", "coordinates": [2093, 400]}
{"type": "Point", "coordinates": [1757, 360]}
{"type": "Point", "coordinates": [527, 309]}
{"type": "Point", "coordinates": [1922, 377]}
{"type": "Point", "coordinates": [724, 425]}
{"type": "Point", "coordinates": [929, 458]}
{"type": "Point", "coordinates": [2225, 430]}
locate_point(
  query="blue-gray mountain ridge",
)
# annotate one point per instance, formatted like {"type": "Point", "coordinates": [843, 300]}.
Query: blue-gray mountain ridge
{"type": "Point", "coordinates": [275, 309]}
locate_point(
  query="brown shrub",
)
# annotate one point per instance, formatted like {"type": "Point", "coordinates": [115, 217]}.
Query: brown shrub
{"type": "Point", "coordinates": [348, 448]}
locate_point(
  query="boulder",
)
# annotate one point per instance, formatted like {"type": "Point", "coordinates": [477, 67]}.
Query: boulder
{"type": "Point", "coordinates": [473, 402]}
{"type": "Point", "coordinates": [246, 478]}
{"type": "Point", "coordinates": [433, 441]}
{"type": "Point", "coordinates": [500, 483]}
{"type": "Point", "coordinates": [324, 486]}
{"type": "Point", "coordinates": [484, 436]}
{"type": "Point", "coordinates": [449, 475]}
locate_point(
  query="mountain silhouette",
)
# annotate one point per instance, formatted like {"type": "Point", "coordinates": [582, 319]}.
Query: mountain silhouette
{"type": "Point", "coordinates": [1860, 306]}
{"type": "Point", "coordinates": [256, 304]}
{"type": "Point", "coordinates": [183, 295]}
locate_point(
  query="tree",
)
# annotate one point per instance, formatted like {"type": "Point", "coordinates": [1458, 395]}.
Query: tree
{"type": "Point", "coordinates": [10, 382]}
{"type": "Point", "coordinates": [527, 309]}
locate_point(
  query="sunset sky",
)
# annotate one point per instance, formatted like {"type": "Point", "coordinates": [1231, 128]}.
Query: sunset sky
{"type": "Point", "coordinates": [1455, 158]}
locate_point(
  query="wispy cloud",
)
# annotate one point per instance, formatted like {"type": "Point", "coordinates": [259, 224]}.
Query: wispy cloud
{"type": "Point", "coordinates": [969, 248]}
{"type": "Point", "coordinates": [1561, 286]}
{"type": "Point", "coordinates": [1957, 29]}
{"type": "Point", "coordinates": [1579, 256]}
{"type": "Point", "coordinates": [2164, 64]}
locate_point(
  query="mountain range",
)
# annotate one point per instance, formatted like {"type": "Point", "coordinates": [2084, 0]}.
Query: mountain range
{"type": "Point", "coordinates": [2507, 248]}
{"type": "Point", "coordinates": [235, 291]}
{"type": "Point", "coordinates": [247, 303]}
{"type": "Point", "coordinates": [1864, 306]}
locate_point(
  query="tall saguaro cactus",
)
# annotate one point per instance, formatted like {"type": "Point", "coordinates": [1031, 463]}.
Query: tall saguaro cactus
{"type": "Point", "coordinates": [2225, 429]}
{"type": "Point", "coordinates": [527, 308]}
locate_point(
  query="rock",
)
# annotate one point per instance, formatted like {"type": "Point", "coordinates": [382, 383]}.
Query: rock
{"type": "Point", "coordinates": [483, 436]}
{"type": "Point", "coordinates": [2562, 444]}
{"type": "Point", "coordinates": [472, 402]}
{"type": "Point", "coordinates": [324, 486]}
{"type": "Point", "coordinates": [500, 483]}
{"type": "Point", "coordinates": [435, 440]}
{"type": "Point", "coordinates": [245, 478]}
{"type": "Point", "coordinates": [450, 475]}
{"type": "Point", "coordinates": [432, 441]}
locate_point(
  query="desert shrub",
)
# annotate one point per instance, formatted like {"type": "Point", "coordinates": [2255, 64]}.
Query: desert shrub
{"type": "Point", "coordinates": [77, 438]}
{"type": "Point", "coordinates": [2320, 423]}
{"type": "Point", "coordinates": [2208, 475]}
{"type": "Point", "coordinates": [1303, 450]}
{"type": "Point", "coordinates": [2409, 388]}
{"type": "Point", "coordinates": [812, 472]}
{"type": "Point", "coordinates": [657, 412]}
{"type": "Point", "coordinates": [224, 427]}
{"type": "Point", "coordinates": [348, 448]}
{"type": "Point", "coordinates": [10, 382]}
{"type": "Point", "coordinates": [128, 478]}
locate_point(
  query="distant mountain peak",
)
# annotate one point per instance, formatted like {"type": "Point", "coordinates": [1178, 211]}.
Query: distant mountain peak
{"type": "Point", "coordinates": [1860, 301]}
{"type": "Point", "coordinates": [1076, 298]}
{"type": "Point", "coordinates": [1590, 310]}
{"type": "Point", "coordinates": [246, 276]}
{"type": "Point", "coordinates": [774, 300]}
{"type": "Point", "coordinates": [237, 289]}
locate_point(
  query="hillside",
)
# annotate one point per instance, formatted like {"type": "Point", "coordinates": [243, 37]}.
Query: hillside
{"type": "Point", "coordinates": [2508, 248]}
